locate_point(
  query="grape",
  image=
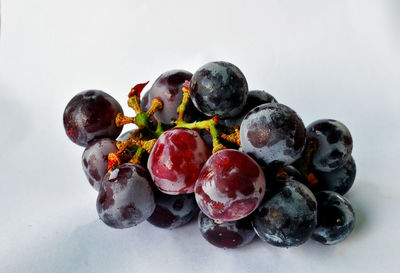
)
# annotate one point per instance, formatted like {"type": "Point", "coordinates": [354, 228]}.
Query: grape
{"type": "Point", "coordinates": [254, 99]}
{"type": "Point", "coordinates": [125, 198]}
{"type": "Point", "coordinates": [219, 89]}
{"type": "Point", "coordinates": [273, 134]}
{"type": "Point", "coordinates": [226, 235]}
{"type": "Point", "coordinates": [277, 176]}
{"type": "Point", "coordinates": [95, 160]}
{"type": "Point", "coordinates": [176, 160]}
{"type": "Point", "coordinates": [230, 186]}
{"type": "Point", "coordinates": [91, 115]}
{"type": "Point", "coordinates": [334, 144]}
{"type": "Point", "coordinates": [168, 88]}
{"type": "Point", "coordinates": [288, 217]}
{"type": "Point", "coordinates": [173, 211]}
{"type": "Point", "coordinates": [339, 180]}
{"type": "Point", "coordinates": [335, 218]}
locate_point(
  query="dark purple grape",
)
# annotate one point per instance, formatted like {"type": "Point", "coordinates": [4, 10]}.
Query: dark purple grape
{"type": "Point", "coordinates": [254, 99]}
{"type": "Point", "coordinates": [168, 87]}
{"type": "Point", "coordinates": [95, 160]}
{"type": "Point", "coordinates": [91, 115]}
{"type": "Point", "coordinates": [219, 89]}
{"type": "Point", "coordinates": [125, 198]}
{"type": "Point", "coordinates": [333, 144]}
{"type": "Point", "coordinates": [277, 176]}
{"type": "Point", "coordinates": [226, 235]}
{"type": "Point", "coordinates": [339, 180]}
{"type": "Point", "coordinates": [288, 217]}
{"type": "Point", "coordinates": [273, 134]}
{"type": "Point", "coordinates": [336, 218]}
{"type": "Point", "coordinates": [173, 211]}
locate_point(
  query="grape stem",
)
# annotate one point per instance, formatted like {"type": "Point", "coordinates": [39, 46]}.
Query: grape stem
{"type": "Point", "coordinates": [304, 162]}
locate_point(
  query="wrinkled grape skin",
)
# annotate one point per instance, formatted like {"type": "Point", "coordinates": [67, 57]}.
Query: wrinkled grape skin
{"type": "Point", "coordinates": [173, 211]}
{"type": "Point", "coordinates": [336, 218]}
{"type": "Point", "coordinates": [273, 134]}
{"type": "Point", "coordinates": [125, 198]}
{"type": "Point", "coordinates": [168, 88]}
{"type": "Point", "coordinates": [230, 186]}
{"type": "Point", "coordinates": [219, 89]}
{"type": "Point", "coordinates": [288, 217]}
{"type": "Point", "coordinates": [334, 144]}
{"type": "Point", "coordinates": [95, 160]}
{"type": "Point", "coordinates": [176, 160]}
{"type": "Point", "coordinates": [254, 99]}
{"type": "Point", "coordinates": [91, 115]}
{"type": "Point", "coordinates": [226, 235]}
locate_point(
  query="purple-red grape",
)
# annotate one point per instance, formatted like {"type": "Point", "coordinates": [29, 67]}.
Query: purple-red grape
{"type": "Point", "coordinates": [91, 115]}
{"type": "Point", "coordinates": [230, 186]}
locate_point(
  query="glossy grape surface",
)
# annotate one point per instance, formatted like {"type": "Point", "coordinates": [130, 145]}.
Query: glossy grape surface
{"type": "Point", "coordinates": [219, 89]}
{"type": "Point", "coordinates": [91, 115]}
{"type": "Point", "coordinates": [336, 218]}
{"type": "Point", "coordinates": [333, 144]}
{"type": "Point", "coordinates": [176, 160]}
{"type": "Point", "coordinates": [173, 211]}
{"type": "Point", "coordinates": [125, 198]}
{"type": "Point", "coordinates": [273, 134]}
{"type": "Point", "coordinates": [288, 217]}
{"type": "Point", "coordinates": [254, 99]}
{"type": "Point", "coordinates": [95, 160]}
{"type": "Point", "coordinates": [168, 87]}
{"type": "Point", "coordinates": [226, 235]}
{"type": "Point", "coordinates": [230, 186]}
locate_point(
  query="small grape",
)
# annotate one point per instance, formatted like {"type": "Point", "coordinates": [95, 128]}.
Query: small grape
{"type": "Point", "coordinates": [125, 198]}
{"type": "Point", "coordinates": [219, 89]}
{"type": "Point", "coordinates": [336, 218]}
{"type": "Point", "coordinates": [226, 235]}
{"type": "Point", "coordinates": [230, 186]}
{"type": "Point", "coordinates": [91, 115]}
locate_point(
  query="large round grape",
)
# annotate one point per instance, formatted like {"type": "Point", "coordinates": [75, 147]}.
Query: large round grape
{"type": "Point", "coordinates": [90, 115]}
{"type": "Point", "coordinates": [333, 144]}
{"type": "Point", "coordinates": [95, 160]}
{"type": "Point", "coordinates": [173, 211]}
{"type": "Point", "coordinates": [288, 217]}
{"type": "Point", "coordinates": [226, 235]}
{"type": "Point", "coordinates": [219, 89]}
{"type": "Point", "coordinates": [168, 88]}
{"type": "Point", "coordinates": [336, 218]}
{"type": "Point", "coordinates": [273, 134]}
{"type": "Point", "coordinates": [254, 99]}
{"type": "Point", "coordinates": [125, 198]}
{"type": "Point", "coordinates": [176, 160]}
{"type": "Point", "coordinates": [230, 186]}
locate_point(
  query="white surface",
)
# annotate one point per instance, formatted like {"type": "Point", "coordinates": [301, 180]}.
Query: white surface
{"type": "Point", "coordinates": [325, 59]}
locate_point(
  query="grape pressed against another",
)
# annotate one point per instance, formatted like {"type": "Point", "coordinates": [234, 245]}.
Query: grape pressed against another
{"type": "Point", "coordinates": [230, 186]}
{"type": "Point", "coordinates": [173, 211]}
{"type": "Point", "coordinates": [336, 218]}
{"type": "Point", "coordinates": [288, 217]}
{"type": "Point", "coordinates": [176, 160]}
{"type": "Point", "coordinates": [333, 144]}
{"type": "Point", "coordinates": [95, 160]}
{"type": "Point", "coordinates": [273, 134]}
{"type": "Point", "coordinates": [254, 99]}
{"type": "Point", "coordinates": [125, 198]}
{"type": "Point", "coordinates": [219, 89]}
{"type": "Point", "coordinates": [91, 115]}
{"type": "Point", "coordinates": [226, 235]}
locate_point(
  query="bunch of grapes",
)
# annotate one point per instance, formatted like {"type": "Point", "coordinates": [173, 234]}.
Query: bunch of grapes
{"type": "Point", "coordinates": [204, 146]}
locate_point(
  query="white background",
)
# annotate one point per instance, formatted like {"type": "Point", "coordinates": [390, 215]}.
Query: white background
{"type": "Point", "coordinates": [325, 59]}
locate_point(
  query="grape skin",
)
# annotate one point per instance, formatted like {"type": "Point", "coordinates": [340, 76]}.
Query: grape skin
{"type": "Point", "coordinates": [273, 134]}
{"type": "Point", "coordinates": [226, 235]}
{"type": "Point", "coordinates": [219, 89]}
{"type": "Point", "coordinates": [230, 186]}
{"type": "Point", "coordinates": [91, 115]}
{"type": "Point", "coordinates": [125, 198]}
